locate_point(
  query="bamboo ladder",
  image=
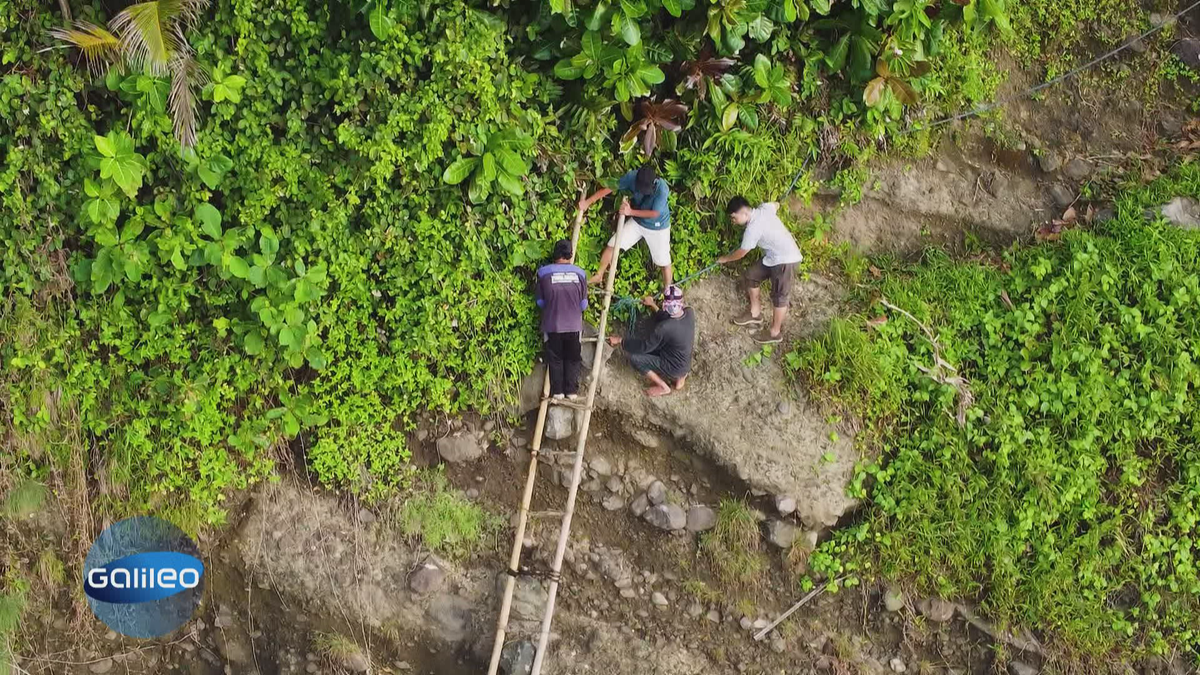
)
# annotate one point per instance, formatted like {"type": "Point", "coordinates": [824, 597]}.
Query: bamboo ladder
{"type": "Point", "coordinates": [564, 533]}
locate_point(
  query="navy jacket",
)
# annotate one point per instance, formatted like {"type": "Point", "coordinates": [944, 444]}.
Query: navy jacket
{"type": "Point", "coordinates": [562, 295]}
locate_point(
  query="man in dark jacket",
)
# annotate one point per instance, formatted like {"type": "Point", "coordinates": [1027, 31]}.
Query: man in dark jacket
{"type": "Point", "coordinates": [562, 295]}
{"type": "Point", "coordinates": [666, 353]}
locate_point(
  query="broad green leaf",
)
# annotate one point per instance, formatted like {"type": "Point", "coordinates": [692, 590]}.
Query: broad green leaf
{"type": "Point", "coordinates": [511, 162]}
{"type": "Point", "coordinates": [822, 7]}
{"type": "Point", "coordinates": [627, 27]}
{"type": "Point", "coordinates": [106, 236]}
{"type": "Point", "coordinates": [567, 70]}
{"type": "Point", "coordinates": [287, 336]}
{"type": "Point", "coordinates": [459, 170]}
{"type": "Point", "coordinates": [762, 71]}
{"type": "Point", "coordinates": [211, 178]}
{"type": "Point", "coordinates": [729, 117]}
{"type": "Point", "coordinates": [760, 28]}
{"type": "Point", "coordinates": [595, 20]}
{"type": "Point", "coordinates": [102, 272]}
{"type": "Point", "coordinates": [749, 116]}
{"type": "Point", "coordinates": [257, 276]}
{"type": "Point", "coordinates": [210, 219]}
{"type": "Point", "coordinates": [238, 267]}
{"type": "Point", "coordinates": [651, 74]}
{"type": "Point", "coordinates": [510, 184]}
{"type": "Point", "coordinates": [293, 316]}
{"type": "Point", "coordinates": [836, 58]}
{"type": "Point", "coordinates": [106, 146]}
{"type": "Point", "coordinates": [719, 99]}
{"type": "Point", "coordinates": [220, 163]}
{"type": "Point", "coordinates": [673, 7]}
{"type": "Point", "coordinates": [489, 166]}
{"type": "Point", "coordinates": [380, 21]}
{"type": "Point", "coordinates": [316, 359]}
{"type": "Point", "coordinates": [132, 228]}
{"type": "Point", "coordinates": [634, 8]}
{"type": "Point", "coordinates": [254, 343]}
{"type": "Point", "coordinates": [219, 93]}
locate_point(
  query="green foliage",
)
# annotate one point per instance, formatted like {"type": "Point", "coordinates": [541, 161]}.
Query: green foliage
{"type": "Point", "coordinates": [1069, 498]}
{"type": "Point", "coordinates": [444, 521]}
{"type": "Point", "coordinates": [733, 546]}
{"type": "Point", "coordinates": [23, 500]}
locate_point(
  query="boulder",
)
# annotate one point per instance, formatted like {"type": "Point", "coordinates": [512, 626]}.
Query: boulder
{"type": "Point", "coordinates": [354, 660]}
{"type": "Point", "coordinates": [893, 599]}
{"type": "Point", "coordinates": [531, 389]}
{"type": "Point", "coordinates": [782, 534]}
{"type": "Point", "coordinates": [1188, 51]}
{"type": "Point", "coordinates": [701, 518]}
{"type": "Point", "coordinates": [639, 504]}
{"type": "Point", "coordinates": [657, 492]}
{"type": "Point", "coordinates": [937, 610]}
{"type": "Point", "coordinates": [560, 422]}
{"type": "Point", "coordinates": [1021, 668]}
{"type": "Point", "coordinates": [613, 503]}
{"type": "Point", "coordinates": [461, 446]}
{"type": "Point", "coordinates": [428, 578]}
{"type": "Point", "coordinates": [1062, 196]}
{"type": "Point", "coordinates": [1183, 212]}
{"type": "Point", "coordinates": [646, 439]}
{"type": "Point", "coordinates": [601, 466]}
{"type": "Point", "coordinates": [1078, 169]}
{"type": "Point", "coordinates": [1050, 161]}
{"type": "Point", "coordinates": [517, 658]}
{"type": "Point", "coordinates": [666, 517]}
{"type": "Point", "coordinates": [785, 505]}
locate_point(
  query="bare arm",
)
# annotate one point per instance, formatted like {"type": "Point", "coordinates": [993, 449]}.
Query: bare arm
{"type": "Point", "coordinates": [586, 204]}
{"type": "Point", "coordinates": [736, 255]}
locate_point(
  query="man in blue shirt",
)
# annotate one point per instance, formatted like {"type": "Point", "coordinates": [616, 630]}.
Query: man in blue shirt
{"type": "Point", "coordinates": [561, 292]}
{"type": "Point", "coordinates": [648, 217]}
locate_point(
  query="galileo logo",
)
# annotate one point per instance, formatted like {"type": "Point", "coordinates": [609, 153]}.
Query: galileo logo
{"type": "Point", "coordinates": [143, 577]}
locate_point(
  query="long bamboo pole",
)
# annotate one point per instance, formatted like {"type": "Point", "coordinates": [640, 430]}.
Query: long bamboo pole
{"type": "Point", "coordinates": [564, 533]}
{"type": "Point", "coordinates": [523, 513]}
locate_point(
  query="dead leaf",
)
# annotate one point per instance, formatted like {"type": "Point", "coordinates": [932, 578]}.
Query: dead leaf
{"type": "Point", "coordinates": [1007, 301]}
{"type": "Point", "coordinates": [1069, 216]}
{"type": "Point", "coordinates": [877, 321]}
{"type": "Point", "coordinates": [875, 271]}
{"type": "Point", "coordinates": [1090, 214]}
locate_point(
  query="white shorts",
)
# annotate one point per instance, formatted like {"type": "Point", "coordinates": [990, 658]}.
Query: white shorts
{"type": "Point", "coordinates": [658, 241]}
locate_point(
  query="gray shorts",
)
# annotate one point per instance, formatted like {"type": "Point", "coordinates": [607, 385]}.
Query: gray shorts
{"type": "Point", "coordinates": [782, 278]}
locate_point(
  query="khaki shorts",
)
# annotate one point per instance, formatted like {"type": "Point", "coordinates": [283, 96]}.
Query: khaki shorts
{"type": "Point", "coordinates": [658, 241]}
{"type": "Point", "coordinates": [782, 277]}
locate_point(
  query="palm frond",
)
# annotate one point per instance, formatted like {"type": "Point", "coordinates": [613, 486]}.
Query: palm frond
{"type": "Point", "coordinates": [146, 36]}
{"type": "Point", "coordinates": [189, 12]}
{"type": "Point", "coordinates": [186, 75]}
{"type": "Point", "coordinates": [98, 46]}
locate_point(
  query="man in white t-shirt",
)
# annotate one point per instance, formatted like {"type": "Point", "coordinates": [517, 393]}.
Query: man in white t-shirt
{"type": "Point", "coordinates": [781, 256]}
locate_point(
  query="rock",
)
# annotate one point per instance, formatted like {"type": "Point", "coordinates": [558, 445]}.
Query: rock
{"type": "Point", "coordinates": [701, 518]}
{"type": "Point", "coordinates": [897, 665]}
{"type": "Point", "coordinates": [785, 505]}
{"type": "Point", "coordinates": [1171, 125]}
{"type": "Point", "coordinates": [998, 185]}
{"type": "Point", "coordinates": [354, 660]}
{"type": "Point", "coordinates": [937, 610]}
{"type": "Point", "coordinates": [489, 426]}
{"type": "Point", "coordinates": [760, 623]}
{"type": "Point", "coordinates": [695, 609]}
{"type": "Point", "coordinates": [666, 517]}
{"type": "Point", "coordinates": [517, 658]}
{"type": "Point", "coordinates": [461, 446]}
{"type": "Point", "coordinates": [560, 423]}
{"type": "Point", "coordinates": [1062, 196]}
{"type": "Point", "coordinates": [893, 599]}
{"type": "Point", "coordinates": [365, 516]}
{"type": "Point", "coordinates": [1188, 51]}
{"type": "Point", "coordinates": [713, 616]}
{"type": "Point", "coordinates": [472, 493]}
{"type": "Point", "coordinates": [614, 484]}
{"type": "Point", "coordinates": [1139, 46]}
{"type": "Point", "coordinates": [101, 666]}
{"type": "Point", "coordinates": [659, 599]}
{"type": "Point", "coordinates": [529, 598]}
{"type": "Point", "coordinates": [1157, 19]}
{"type": "Point", "coordinates": [782, 534]}
{"type": "Point", "coordinates": [1104, 215]}
{"type": "Point", "coordinates": [614, 503]}
{"type": "Point", "coordinates": [657, 492]}
{"type": "Point", "coordinates": [1021, 668]}
{"type": "Point", "coordinates": [1050, 161]}
{"type": "Point", "coordinates": [450, 617]}
{"type": "Point", "coordinates": [639, 504]}
{"type": "Point", "coordinates": [809, 539]}
{"type": "Point", "coordinates": [531, 388]}
{"type": "Point", "coordinates": [233, 646]}
{"type": "Point", "coordinates": [1183, 212]}
{"type": "Point", "coordinates": [628, 593]}
{"type": "Point", "coordinates": [778, 645]}
{"type": "Point", "coordinates": [601, 466]}
{"type": "Point", "coordinates": [784, 407]}
{"type": "Point", "coordinates": [519, 441]}
{"type": "Point", "coordinates": [1078, 169]}
{"type": "Point", "coordinates": [746, 623]}
{"type": "Point", "coordinates": [428, 578]}
{"type": "Point", "coordinates": [646, 439]}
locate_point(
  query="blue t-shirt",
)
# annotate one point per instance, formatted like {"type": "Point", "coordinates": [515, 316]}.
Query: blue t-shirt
{"type": "Point", "coordinates": [654, 201]}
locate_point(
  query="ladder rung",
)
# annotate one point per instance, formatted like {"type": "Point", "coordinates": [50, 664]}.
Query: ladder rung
{"type": "Point", "coordinates": [552, 453]}
{"type": "Point", "coordinates": [546, 514]}
{"type": "Point", "coordinates": [594, 338]}
{"type": "Point", "coordinates": [568, 403]}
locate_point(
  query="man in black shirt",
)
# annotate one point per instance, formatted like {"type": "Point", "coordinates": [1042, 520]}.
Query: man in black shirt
{"type": "Point", "coordinates": [666, 353]}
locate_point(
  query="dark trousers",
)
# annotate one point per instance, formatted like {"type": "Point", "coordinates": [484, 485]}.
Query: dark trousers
{"type": "Point", "coordinates": [564, 359]}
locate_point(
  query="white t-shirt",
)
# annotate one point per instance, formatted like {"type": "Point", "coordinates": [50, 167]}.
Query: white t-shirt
{"type": "Point", "coordinates": [766, 231]}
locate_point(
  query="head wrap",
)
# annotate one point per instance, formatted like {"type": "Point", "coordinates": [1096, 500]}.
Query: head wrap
{"type": "Point", "coordinates": [673, 301]}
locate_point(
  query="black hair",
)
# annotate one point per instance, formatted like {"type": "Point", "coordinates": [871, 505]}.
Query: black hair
{"type": "Point", "coordinates": [562, 250]}
{"type": "Point", "coordinates": [645, 178]}
{"type": "Point", "coordinates": [737, 204]}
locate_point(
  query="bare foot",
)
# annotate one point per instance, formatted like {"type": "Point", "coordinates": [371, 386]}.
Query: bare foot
{"type": "Point", "coordinates": [680, 383]}
{"type": "Point", "coordinates": [654, 392]}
